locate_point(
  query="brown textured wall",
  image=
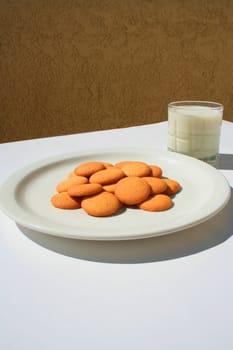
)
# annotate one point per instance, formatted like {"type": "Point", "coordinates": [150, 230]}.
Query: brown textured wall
{"type": "Point", "coordinates": [70, 66]}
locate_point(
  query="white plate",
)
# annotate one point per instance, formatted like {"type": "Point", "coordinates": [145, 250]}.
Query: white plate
{"type": "Point", "coordinates": [25, 197]}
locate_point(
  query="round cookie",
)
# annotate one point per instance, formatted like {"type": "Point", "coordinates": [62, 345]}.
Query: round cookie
{"type": "Point", "coordinates": [107, 165]}
{"type": "Point", "coordinates": [121, 164]}
{"type": "Point", "coordinates": [63, 200]}
{"type": "Point", "coordinates": [173, 186]}
{"type": "Point", "coordinates": [73, 180]}
{"type": "Point", "coordinates": [157, 185]}
{"type": "Point", "coordinates": [134, 168]}
{"type": "Point", "coordinates": [72, 174]}
{"type": "Point", "coordinates": [107, 176]}
{"type": "Point", "coordinates": [84, 190]}
{"type": "Point", "coordinates": [89, 168]}
{"type": "Point", "coordinates": [156, 171]}
{"type": "Point", "coordinates": [158, 202]}
{"type": "Point", "coordinates": [132, 190]}
{"type": "Point", "coordinates": [110, 188]}
{"type": "Point", "coordinates": [102, 204]}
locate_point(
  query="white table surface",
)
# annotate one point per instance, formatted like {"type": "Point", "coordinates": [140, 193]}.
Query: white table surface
{"type": "Point", "coordinates": [169, 292]}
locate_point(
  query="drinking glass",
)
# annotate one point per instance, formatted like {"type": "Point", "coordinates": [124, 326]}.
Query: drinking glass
{"type": "Point", "coordinates": [194, 129]}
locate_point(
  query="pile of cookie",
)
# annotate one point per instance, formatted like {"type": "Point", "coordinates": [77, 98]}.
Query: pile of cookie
{"type": "Point", "coordinates": [103, 189]}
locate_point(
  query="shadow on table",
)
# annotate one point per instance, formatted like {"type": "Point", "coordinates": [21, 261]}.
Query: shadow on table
{"type": "Point", "coordinates": [179, 244]}
{"type": "Point", "coordinates": [225, 161]}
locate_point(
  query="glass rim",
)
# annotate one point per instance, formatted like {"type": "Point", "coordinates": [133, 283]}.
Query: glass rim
{"type": "Point", "coordinates": [182, 104]}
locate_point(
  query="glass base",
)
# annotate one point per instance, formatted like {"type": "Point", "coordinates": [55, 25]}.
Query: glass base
{"type": "Point", "coordinates": [212, 160]}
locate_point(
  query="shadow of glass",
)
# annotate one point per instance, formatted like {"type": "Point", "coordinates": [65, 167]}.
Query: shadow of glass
{"type": "Point", "coordinates": [172, 246]}
{"type": "Point", "coordinates": [225, 161]}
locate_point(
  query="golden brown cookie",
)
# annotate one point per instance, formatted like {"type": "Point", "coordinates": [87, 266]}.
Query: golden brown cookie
{"type": "Point", "coordinates": [156, 171]}
{"type": "Point", "coordinates": [84, 190]}
{"type": "Point", "coordinates": [107, 176]}
{"type": "Point", "coordinates": [132, 190]}
{"type": "Point", "coordinates": [134, 168]}
{"type": "Point", "coordinates": [88, 168]}
{"type": "Point", "coordinates": [73, 180]}
{"type": "Point", "coordinates": [173, 186]}
{"type": "Point", "coordinates": [157, 185]}
{"type": "Point", "coordinates": [63, 200]}
{"type": "Point", "coordinates": [107, 165]}
{"type": "Point", "coordinates": [110, 188]}
{"type": "Point", "coordinates": [121, 164]}
{"type": "Point", "coordinates": [72, 174]}
{"type": "Point", "coordinates": [102, 204]}
{"type": "Point", "coordinates": [158, 202]}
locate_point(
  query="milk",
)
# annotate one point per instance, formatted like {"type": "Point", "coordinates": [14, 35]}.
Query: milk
{"type": "Point", "coordinates": [194, 130]}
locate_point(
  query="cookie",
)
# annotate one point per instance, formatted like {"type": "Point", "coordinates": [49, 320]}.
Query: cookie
{"type": "Point", "coordinates": [173, 186]}
{"type": "Point", "coordinates": [102, 204]}
{"type": "Point", "coordinates": [72, 174]}
{"type": "Point", "coordinates": [89, 168]}
{"type": "Point", "coordinates": [158, 202]}
{"type": "Point", "coordinates": [132, 190]}
{"type": "Point", "coordinates": [157, 185]}
{"type": "Point", "coordinates": [64, 201]}
{"type": "Point", "coordinates": [84, 190]}
{"type": "Point", "coordinates": [156, 171]}
{"type": "Point", "coordinates": [73, 180]}
{"type": "Point", "coordinates": [134, 168]}
{"type": "Point", "coordinates": [107, 165]}
{"type": "Point", "coordinates": [110, 188]}
{"type": "Point", "coordinates": [107, 176]}
{"type": "Point", "coordinates": [121, 164]}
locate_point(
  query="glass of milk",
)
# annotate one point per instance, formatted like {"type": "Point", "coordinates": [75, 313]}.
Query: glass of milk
{"type": "Point", "coordinates": [194, 129]}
